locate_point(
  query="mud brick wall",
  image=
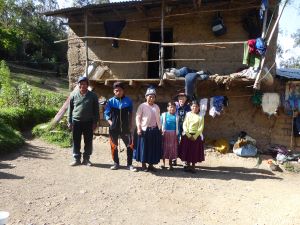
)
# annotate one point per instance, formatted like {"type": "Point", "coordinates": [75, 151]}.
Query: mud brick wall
{"type": "Point", "coordinates": [240, 115]}
{"type": "Point", "coordinates": [193, 28]}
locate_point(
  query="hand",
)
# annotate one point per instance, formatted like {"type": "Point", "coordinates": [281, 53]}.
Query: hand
{"type": "Point", "coordinates": [70, 126]}
{"type": "Point", "coordinates": [192, 138]}
{"type": "Point", "coordinates": [109, 122]}
{"type": "Point", "coordinates": [163, 132]}
{"type": "Point", "coordinates": [139, 132]}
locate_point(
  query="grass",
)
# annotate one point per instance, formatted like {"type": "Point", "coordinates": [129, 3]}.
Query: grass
{"type": "Point", "coordinates": [47, 91]}
{"type": "Point", "coordinates": [60, 135]}
{"type": "Point", "coordinates": [44, 83]}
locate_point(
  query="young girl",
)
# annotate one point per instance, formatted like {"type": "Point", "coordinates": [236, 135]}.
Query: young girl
{"type": "Point", "coordinates": [170, 132]}
{"type": "Point", "coordinates": [191, 147]}
{"type": "Point", "coordinates": [148, 143]}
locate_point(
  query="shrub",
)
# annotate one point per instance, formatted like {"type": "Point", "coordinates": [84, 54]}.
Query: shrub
{"type": "Point", "coordinates": [10, 139]}
{"type": "Point", "coordinates": [60, 135]}
{"type": "Point", "coordinates": [22, 119]}
{"type": "Point", "coordinates": [6, 88]}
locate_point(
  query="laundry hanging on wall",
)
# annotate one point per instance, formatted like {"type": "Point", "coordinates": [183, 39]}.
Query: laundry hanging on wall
{"type": "Point", "coordinates": [203, 106]}
{"type": "Point", "coordinates": [270, 103]}
{"type": "Point", "coordinates": [114, 29]}
{"type": "Point", "coordinates": [217, 104]}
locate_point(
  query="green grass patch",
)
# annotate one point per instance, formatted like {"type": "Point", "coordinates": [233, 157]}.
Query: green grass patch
{"type": "Point", "coordinates": [59, 135]}
{"type": "Point", "coordinates": [24, 119]}
{"type": "Point", "coordinates": [292, 167]}
{"type": "Point", "coordinates": [45, 83]}
{"type": "Point", "coordinates": [10, 139]}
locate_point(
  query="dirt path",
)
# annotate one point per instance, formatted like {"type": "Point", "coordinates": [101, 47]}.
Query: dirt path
{"type": "Point", "coordinates": [38, 187]}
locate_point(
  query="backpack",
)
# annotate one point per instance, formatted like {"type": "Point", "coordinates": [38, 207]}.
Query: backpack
{"type": "Point", "coordinates": [218, 26]}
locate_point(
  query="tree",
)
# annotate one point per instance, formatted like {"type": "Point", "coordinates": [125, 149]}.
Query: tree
{"type": "Point", "coordinates": [26, 34]}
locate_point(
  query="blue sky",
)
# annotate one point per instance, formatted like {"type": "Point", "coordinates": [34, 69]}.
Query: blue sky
{"type": "Point", "coordinates": [289, 23]}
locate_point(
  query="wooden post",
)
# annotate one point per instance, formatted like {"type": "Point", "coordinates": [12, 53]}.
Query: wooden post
{"type": "Point", "coordinates": [263, 34]}
{"type": "Point", "coordinates": [86, 42]}
{"type": "Point", "coordinates": [257, 80]}
{"type": "Point", "coordinates": [161, 52]}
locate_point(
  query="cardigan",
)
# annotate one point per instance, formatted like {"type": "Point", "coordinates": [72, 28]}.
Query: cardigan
{"type": "Point", "coordinates": [143, 116]}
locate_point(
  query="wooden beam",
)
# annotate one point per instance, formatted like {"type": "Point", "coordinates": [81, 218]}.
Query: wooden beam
{"type": "Point", "coordinates": [86, 42]}
{"type": "Point", "coordinates": [161, 52]}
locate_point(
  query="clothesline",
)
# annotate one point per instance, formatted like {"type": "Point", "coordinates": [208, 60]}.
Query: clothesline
{"type": "Point", "coordinates": [207, 44]}
{"type": "Point", "coordinates": [145, 61]}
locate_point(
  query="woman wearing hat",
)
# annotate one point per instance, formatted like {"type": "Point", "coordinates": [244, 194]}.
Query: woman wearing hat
{"type": "Point", "coordinates": [148, 142]}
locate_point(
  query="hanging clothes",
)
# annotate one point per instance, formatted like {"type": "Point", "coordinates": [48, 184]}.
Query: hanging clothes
{"type": "Point", "coordinates": [250, 58]}
{"type": "Point", "coordinates": [114, 29]}
{"type": "Point", "coordinates": [203, 106]}
{"type": "Point", "coordinates": [270, 103]}
{"type": "Point", "coordinates": [296, 126]}
{"type": "Point", "coordinates": [264, 6]}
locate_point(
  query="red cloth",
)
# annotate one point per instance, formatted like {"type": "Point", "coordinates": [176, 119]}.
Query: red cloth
{"type": "Point", "coordinates": [252, 48]}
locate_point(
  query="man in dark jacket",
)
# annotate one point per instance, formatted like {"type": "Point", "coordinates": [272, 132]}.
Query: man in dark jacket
{"type": "Point", "coordinates": [82, 119]}
{"type": "Point", "coordinates": [118, 113]}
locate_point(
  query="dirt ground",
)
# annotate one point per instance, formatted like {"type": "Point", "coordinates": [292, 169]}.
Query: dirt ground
{"type": "Point", "coordinates": [37, 186]}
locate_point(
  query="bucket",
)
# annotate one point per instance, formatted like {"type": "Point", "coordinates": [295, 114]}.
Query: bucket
{"type": "Point", "coordinates": [267, 77]}
{"type": "Point", "coordinates": [4, 217]}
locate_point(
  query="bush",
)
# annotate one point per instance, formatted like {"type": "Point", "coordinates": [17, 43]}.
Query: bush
{"type": "Point", "coordinates": [22, 119]}
{"type": "Point", "coordinates": [60, 135]}
{"type": "Point", "coordinates": [10, 139]}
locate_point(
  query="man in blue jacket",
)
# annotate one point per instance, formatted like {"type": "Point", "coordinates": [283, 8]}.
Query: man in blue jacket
{"type": "Point", "coordinates": [118, 113]}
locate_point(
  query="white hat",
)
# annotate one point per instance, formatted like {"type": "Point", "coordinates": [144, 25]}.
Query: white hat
{"type": "Point", "coordinates": [150, 91]}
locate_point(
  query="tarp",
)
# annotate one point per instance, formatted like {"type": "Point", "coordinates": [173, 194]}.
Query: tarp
{"type": "Point", "coordinates": [288, 73]}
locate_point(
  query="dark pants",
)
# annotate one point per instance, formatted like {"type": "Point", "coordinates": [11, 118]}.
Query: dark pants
{"type": "Point", "coordinates": [85, 129]}
{"type": "Point", "coordinates": [127, 139]}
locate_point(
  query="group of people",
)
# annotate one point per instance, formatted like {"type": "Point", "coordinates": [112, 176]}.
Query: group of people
{"type": "Point", "coordinates": [176, 133]}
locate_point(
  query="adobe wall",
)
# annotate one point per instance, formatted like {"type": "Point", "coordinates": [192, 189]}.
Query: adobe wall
{"type": "Point", "coordinates": [195, 28]}
{"type": "Point", "coordinates": [240, 115]}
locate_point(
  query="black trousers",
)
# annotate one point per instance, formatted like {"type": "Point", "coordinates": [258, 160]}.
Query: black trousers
{"type": "Point", "coordinates": [127, 139]}
{"type": "Point", "coordinates": [85, 129]}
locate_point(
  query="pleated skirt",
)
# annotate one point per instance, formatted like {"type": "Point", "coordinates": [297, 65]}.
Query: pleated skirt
{"type": "Point", "coordinates": [148, 146]}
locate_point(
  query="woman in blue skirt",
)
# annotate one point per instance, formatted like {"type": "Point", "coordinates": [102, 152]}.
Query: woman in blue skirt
{"type": "Point", "coordinates": [148, 141]}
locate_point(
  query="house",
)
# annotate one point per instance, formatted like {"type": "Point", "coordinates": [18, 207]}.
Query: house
{"type": "Point", "coordinates": [187, 27]}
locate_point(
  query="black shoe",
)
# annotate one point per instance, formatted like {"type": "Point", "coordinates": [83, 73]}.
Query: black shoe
{"type": "Point", "coordinates": [86, 162]}
{"type": "Point", "coordinates": [75, 163]}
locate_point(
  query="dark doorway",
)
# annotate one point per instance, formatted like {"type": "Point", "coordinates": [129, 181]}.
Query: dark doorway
{"type": "Point", "coordinates": [153, 52]}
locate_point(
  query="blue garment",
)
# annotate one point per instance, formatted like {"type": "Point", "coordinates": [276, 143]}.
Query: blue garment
{"type": "Point", "coordinates": [183, 71]}
{"type": "Point", "coordinates": [119, 110]}
{"type": "Point", "coordinates": [114, 29]}
{"type": "Point", "coordinates": [218, 103]}
{"type": "Point", "coordinates": [190, 79]}
{"type": "Point", "coordinates": [148, 146]}
{"type": "Point", "coordinates": [260, 46]}
{"type": "Point", "coordinates": [181, 112]}
{"type": "Point", "coordinates": [264, 6]}
{"type": "Point", "coordinates": [247, 150]}
{"type": "Point", "coordinates": [170, 121]}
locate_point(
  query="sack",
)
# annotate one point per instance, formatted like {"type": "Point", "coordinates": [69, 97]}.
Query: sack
{"type": "Point", "coordinates": [218, 26]}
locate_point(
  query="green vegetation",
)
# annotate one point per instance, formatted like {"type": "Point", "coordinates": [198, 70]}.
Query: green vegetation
{"type": "Point", "coordinates": [10, 139]}
{"type": "Point", "coordinates": [60, 135]}
{"type": "Point", "coordinates": [291, 167]}
{"type": "Point", "coordinates": [23, 106]}
{"type": "Point", "coordinates": [24, 119]}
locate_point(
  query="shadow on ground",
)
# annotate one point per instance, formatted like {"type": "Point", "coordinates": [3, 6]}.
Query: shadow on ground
{"type": "Point", "coordinates": [4, 175]}
{"type": "Point", "coordinates": [221, 173]}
